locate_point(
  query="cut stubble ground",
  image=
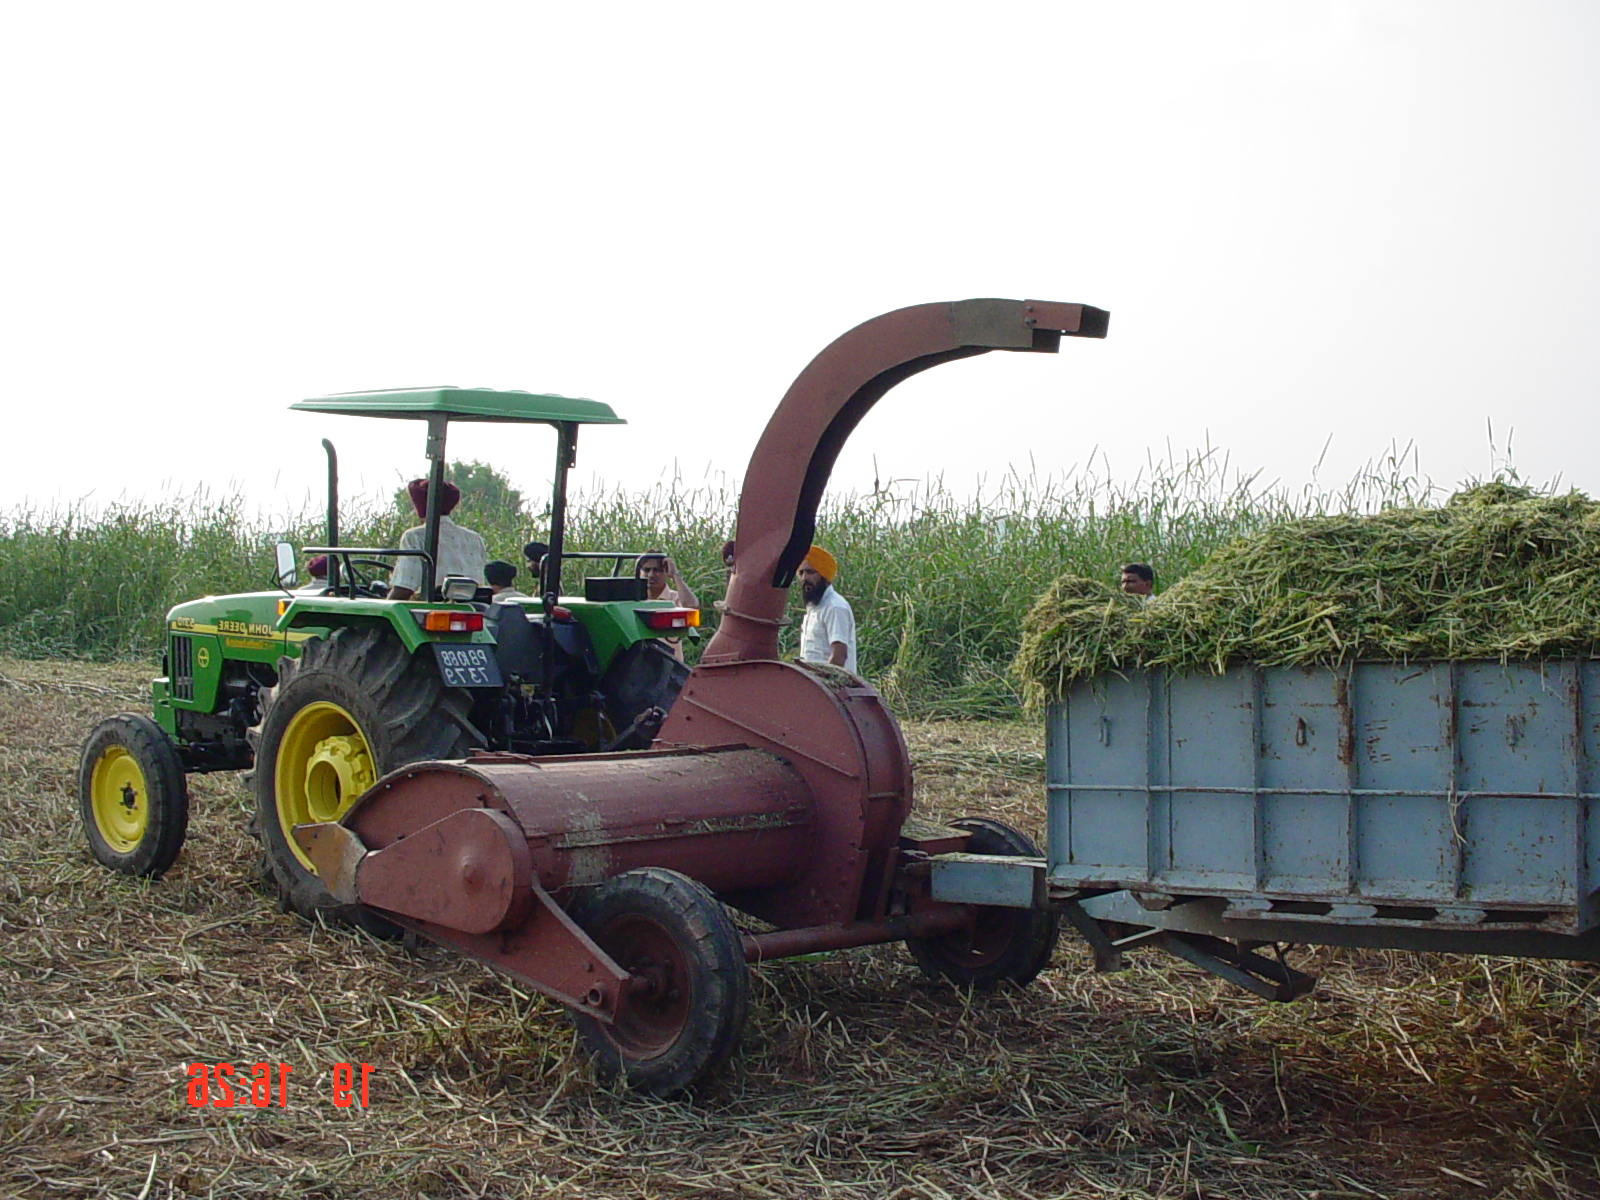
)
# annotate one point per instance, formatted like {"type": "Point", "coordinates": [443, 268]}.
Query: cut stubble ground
{"type": "Point", "coordinates": [1403, 1076]}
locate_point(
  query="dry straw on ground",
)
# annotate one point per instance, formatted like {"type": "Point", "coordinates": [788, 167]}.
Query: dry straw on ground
{"type": "Point", "coordinates": [1404, 1076]}
{"type": "Point", "coordinates": [1498, 572]}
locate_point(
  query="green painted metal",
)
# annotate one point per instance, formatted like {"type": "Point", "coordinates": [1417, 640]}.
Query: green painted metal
{"type": "Point", "coordinates": [161, 706]}
{"type": "Point", "coordinates": [465, 404]}
{"type": "Point", "coordinates": [219, 630]}
{"type": "Point", "coordinates": [614, 625]}
{"type": "Point", "coordinates": [322, 613]}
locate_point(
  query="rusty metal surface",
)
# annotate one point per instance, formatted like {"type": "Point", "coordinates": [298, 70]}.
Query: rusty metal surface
{"type": "Point", "coordinates": [335, 853]}
{"type": "Point", "coordinates": [466, 882]}
{"type": "Point", "coordinates": [842, 741]}
{"type": "Point", "coordinates": [781, 788]}
{"type": "Point", "coordinates": [470, 871]}
{"type": "Point", "coordinates": [786, 943]}
{"type": "Point", "coordinates": [929, 837]}
{"type": "Point", "coordinates": [790, 467]}
{"type": "Point", "coordinates": [731, 817]}
{"type": "Point", "coordinates": [548, 952]}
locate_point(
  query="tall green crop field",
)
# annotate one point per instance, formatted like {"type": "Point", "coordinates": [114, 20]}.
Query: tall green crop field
{"type": "Point", "coordinates": [939, 582]}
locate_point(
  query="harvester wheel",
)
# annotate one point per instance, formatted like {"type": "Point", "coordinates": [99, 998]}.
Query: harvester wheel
{"type": "Point", "coordinates": [1004, 945]}
{"type": "Point", "coordinates": [690, 991]}
{"type": "Point", "coordinates": [133, 796]}
{"type": "Point", "coordinates": [350, 709]}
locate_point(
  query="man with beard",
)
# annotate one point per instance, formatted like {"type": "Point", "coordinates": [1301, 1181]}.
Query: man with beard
{"type": "Point", "coordinates": [828, 632]}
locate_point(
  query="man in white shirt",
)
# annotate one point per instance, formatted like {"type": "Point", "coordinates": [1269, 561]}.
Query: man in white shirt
{"type": "Point", "coordinates": [828, 632]}
{"type": "Point", "coordinates": [1138, 580]}
{"type": "Point", "coordinates": [501, 577]}
{"type": "Point", "coordinates": [461, 551]}
{"type": "Point", "coordinates": [662, 581]}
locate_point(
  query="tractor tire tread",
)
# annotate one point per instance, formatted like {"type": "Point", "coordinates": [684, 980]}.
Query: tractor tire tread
{"type": "Point", "coordinates": [167, 800]}
{"type": "Point", "coordinates": [1031, 934]}
{"type": "Point", "coordinates": [708, 937]}
{"type": "Point", "coordinates": [412, 717]}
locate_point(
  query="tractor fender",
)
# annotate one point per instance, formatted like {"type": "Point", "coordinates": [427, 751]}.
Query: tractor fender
{"type": "Point", "coordinates": [329, 614]}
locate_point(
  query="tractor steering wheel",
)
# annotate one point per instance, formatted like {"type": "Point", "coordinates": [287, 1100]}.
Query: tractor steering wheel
{"type": "Point", "coordinates": [360, 585]}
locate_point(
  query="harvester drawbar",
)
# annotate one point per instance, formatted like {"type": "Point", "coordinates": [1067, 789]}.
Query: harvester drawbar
{"type": "Point", "coordinates": [779, 789]}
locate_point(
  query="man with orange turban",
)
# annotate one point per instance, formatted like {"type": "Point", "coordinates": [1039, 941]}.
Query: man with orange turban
{"type": "Point", "coordinates": [828, 632]}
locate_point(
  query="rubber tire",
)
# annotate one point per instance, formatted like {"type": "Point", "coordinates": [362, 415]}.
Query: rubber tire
{"type": "Point", "coordinates": [402, 709]}
{"type": "Point", "coordinates": [711, 1003]}
{"type": "Point", "coordinates": [645, 675]}
{"type": "Point", "coordinates": [166, 795]}
{"type": "Point", "coordinates": [1016, 942]}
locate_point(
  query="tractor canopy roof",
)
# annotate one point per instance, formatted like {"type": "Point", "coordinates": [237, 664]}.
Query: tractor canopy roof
{"type": "Point", "coordinates": [465, 404]}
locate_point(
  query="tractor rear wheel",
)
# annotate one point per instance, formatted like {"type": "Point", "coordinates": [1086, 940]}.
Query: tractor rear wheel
{"type": "Point", "coordinates": [1004, 945]}
{"type": "Point", "coordinates": [133, 796]}
{"type": "Point", "coordinates": [690, 991]}
{"type": "Point", "coordinates": [350, 709]}
{"type": "Point", "coordinates": [646, 675]}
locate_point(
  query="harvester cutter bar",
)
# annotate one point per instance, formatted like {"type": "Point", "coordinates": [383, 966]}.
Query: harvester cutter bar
{"type": "Point", "coordinates": [465, 882]}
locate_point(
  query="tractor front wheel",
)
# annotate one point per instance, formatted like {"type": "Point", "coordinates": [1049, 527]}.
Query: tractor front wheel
{"type": "Point", "coordinates": [133, 796]}
{"type": "Point", "coordinates": [1004, 945]}
{"type": "Point", "coordinates": [689, 991]}
{"type": "Point", "coordinates": [350, 709]}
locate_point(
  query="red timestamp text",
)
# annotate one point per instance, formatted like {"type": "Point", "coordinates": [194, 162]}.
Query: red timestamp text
{"type": "Point", "coordinates": [226, 1085]}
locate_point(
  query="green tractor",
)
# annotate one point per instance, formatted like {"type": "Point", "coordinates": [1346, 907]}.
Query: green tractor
{"type": "Point", "coordinates": [316, 692]}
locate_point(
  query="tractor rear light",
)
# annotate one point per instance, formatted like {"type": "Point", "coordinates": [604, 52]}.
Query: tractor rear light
{"type": "Point", "coordinates": [443, 620]}
{"type": "Point", "coordinates": [669, 618]}
{"type": "Point", "coordinates": [561, 613]}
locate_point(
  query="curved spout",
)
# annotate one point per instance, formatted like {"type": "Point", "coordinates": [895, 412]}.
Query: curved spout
{"type": "Point", "coordinates": [792, 462]}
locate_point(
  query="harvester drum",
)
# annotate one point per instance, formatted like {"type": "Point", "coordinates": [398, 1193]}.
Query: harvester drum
{"type": "Point", "coordinates": [778, 789]}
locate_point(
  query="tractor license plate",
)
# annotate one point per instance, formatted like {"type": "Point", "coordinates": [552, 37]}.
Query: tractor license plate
{"type": "Point", "coordinates": [467, 666]}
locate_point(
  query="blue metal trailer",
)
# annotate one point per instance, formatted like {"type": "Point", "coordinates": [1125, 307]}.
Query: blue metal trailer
{"type": "Point", "coordinates": [1449, 806]}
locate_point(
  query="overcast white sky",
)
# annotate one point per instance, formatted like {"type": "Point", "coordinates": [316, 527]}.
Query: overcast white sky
{"type": "Point", "coordinates": [1374, 221]}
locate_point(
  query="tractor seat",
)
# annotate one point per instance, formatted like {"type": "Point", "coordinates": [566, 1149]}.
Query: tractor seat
{"type": "Point", "coordinates": [519, 643]}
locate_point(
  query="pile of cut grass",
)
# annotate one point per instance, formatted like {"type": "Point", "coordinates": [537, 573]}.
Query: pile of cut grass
{"type": "Point", "coordinates": [1499, 571]}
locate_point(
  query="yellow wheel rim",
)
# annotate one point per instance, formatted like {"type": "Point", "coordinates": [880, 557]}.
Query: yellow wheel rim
{"type": "Point", "coordinates": [121, 800]}
{"type": "Point", "coordinates": [324, 763]}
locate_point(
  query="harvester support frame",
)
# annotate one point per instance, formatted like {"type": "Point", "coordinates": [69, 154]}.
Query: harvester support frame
{"type": "Point", "coordinates": [785, 481]}
{"type": "Point", "coordinates": [779, 789]}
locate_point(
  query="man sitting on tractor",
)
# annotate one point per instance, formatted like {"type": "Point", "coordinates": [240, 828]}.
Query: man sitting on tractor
{"type": "Point", "coordinates": [501, 577]}
{"type": "Point", "coordinates": [461, 551]}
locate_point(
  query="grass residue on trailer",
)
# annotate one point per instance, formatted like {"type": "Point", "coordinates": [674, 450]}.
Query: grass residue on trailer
{"type": "Point", "coordinates": [1499, 571]}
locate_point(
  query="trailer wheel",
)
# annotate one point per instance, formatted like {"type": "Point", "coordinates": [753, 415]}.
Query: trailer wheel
{"type": "Point", "coordinates": [1004, 945]}
{"type": "Point", "coordinates": [133, 796]}
{"type": "Point", "coordinates": [350, 709]}
{"type": "Point", "coordinates": [690, 993]}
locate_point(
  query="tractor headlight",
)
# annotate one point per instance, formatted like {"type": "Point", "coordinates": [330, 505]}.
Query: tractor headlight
{"type": "Point", "coordinates": [459, 589]}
